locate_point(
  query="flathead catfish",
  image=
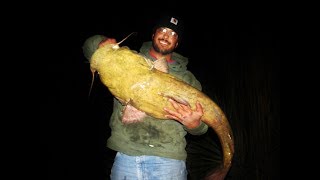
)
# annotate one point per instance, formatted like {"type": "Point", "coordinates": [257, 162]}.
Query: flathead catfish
{"type": "Point", "coordinates": [132, 78]}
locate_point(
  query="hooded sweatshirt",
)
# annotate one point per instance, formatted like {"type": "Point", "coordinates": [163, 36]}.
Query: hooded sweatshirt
{"type": "Point", "coordinates": [152, 136]}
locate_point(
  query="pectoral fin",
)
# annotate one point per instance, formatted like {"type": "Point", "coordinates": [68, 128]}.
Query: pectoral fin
{"type": "Point", "coordinates": [161, 65]}
{"type": "Point", "coordinates": [176, 98]}
{"type": "Point", "coordinates": [131, 114]}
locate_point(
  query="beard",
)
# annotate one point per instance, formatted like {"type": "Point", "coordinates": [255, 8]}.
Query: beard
{"type": "Point", "coordinates": [157, 48]}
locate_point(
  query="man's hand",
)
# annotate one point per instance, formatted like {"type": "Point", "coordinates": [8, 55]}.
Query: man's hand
{"type": "Point", "coordinates": [107, 41]}
{"type": "Point", "coordinates": [184, 114]}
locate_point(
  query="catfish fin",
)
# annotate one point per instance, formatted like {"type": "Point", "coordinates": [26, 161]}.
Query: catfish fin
{"type": "Point", "coordinates": [176, 98]}
{"type": "Point", "coordinates": [161, 65]}
{"type": "Point", "coordinates": [131, 114]}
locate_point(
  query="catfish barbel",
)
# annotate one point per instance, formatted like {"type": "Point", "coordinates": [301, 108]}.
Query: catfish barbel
{"type": "Point", "coordinates": [130, 77]}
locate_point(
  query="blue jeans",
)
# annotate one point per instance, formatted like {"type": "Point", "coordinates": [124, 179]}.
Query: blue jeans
{"type": "Point", "coordinates": [147, 168]}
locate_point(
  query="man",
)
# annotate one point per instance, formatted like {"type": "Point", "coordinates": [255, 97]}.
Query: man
{"type": "Point", "coordinates": [149, 148]}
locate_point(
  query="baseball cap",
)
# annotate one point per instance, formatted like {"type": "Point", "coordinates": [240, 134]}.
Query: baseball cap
{"type": "Point", "coordinates": [173, 22]}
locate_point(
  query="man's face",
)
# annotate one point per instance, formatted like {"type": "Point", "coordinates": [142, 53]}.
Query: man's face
{"type": "Point", "coordinates": [165, 40]}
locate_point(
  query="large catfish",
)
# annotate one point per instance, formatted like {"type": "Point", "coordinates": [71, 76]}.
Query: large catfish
{"type": "Point", "coordinates": [130, 77]}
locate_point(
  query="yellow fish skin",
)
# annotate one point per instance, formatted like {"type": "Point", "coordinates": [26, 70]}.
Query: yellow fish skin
{"type": "Point", "coordinates": [131, 78]}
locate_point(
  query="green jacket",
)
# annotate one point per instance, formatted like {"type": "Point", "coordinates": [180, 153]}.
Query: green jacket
{"type": "Point", "coordinates": [165, 138]}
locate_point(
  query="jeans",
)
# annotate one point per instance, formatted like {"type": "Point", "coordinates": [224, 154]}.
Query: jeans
{"type": "Point", "coordinates": [147, 168]}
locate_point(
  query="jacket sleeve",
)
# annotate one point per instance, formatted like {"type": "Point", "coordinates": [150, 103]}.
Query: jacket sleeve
{"type": "Point", "coordinates": [191, 79]}
{"type": "Point", "coordinates": [201, 129]}
{"type": "Point", "coordinates": [91, 44]}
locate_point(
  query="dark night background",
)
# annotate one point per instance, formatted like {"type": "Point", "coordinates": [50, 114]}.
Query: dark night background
{"type": "Point", "coordinates": [235, 57]}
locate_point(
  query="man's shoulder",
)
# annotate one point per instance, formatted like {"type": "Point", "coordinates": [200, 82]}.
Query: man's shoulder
{"type": "Point", "coordinates": [176, 55]}
{"type": "Point", "coordinates": [145, 47]}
